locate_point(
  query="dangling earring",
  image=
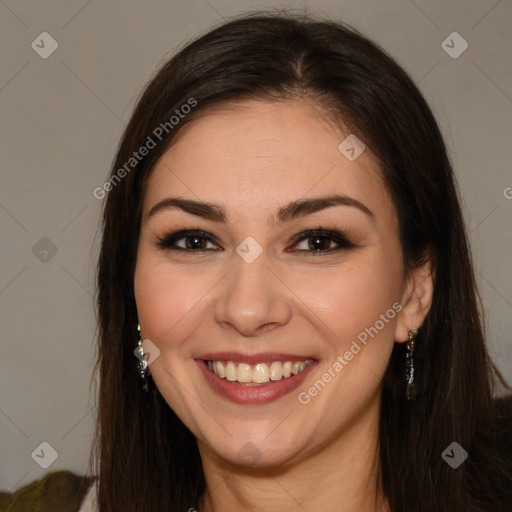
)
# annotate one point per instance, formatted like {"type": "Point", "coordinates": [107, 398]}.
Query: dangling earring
{"type": "Point", "coordinates": [411, 389]}
{"type": "Point", "coordinates": [142, 365]}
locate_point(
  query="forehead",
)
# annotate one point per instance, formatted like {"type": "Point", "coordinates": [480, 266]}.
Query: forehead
{"type": "Point", "coordinates": [263, 153]}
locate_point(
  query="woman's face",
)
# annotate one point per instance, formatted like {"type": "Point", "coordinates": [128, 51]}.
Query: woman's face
{"type": "Point", "coordinates": [252, 293]}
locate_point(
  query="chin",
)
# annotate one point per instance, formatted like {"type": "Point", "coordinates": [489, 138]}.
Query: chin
{"type": "Point", "coordinates": [256, 452]}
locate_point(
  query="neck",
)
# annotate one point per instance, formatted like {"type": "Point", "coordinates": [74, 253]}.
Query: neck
{"type": "Point", "coordinates": [341, 476]}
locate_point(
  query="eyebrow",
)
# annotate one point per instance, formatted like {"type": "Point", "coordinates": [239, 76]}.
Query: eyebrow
{"type": "Point", "coordinates": [291, 211]}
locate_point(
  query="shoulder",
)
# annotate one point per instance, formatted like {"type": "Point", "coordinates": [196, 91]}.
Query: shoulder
{"type": "Point", "coordinates": [59, 490]}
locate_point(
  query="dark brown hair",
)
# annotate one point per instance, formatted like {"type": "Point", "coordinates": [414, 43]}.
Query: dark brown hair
{"type": "Point", "coordinates": [147, 459]}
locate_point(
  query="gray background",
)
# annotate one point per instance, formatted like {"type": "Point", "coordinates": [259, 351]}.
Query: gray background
{"type": "Point", "coordinates": [63, 116]}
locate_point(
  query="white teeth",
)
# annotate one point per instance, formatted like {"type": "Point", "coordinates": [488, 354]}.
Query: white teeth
{"type": "Point", "coordinates": [260, 373]}
{"type": "Point", "coordinates": [220, 370]}
{"type": "Point", "coordinates": [276, 371]}
{"type": "Point", "coordinates": [231, 373]}
{"type": "Point", "coordinates": [244, 372]}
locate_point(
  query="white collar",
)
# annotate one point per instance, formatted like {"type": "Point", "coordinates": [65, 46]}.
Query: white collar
{"type": "Point", "coordinates": [89, 503]}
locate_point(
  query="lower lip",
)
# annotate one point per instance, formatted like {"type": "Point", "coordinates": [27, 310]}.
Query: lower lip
{"type": "Point", "coordinates": [253, 394]}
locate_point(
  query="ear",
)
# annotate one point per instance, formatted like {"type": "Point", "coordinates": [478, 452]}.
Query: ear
{"type": "Point", "coordinates": [416, 300]}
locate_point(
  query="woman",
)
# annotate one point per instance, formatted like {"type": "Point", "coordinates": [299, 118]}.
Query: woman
{"type": "Point", "coordinates": [284, 252]}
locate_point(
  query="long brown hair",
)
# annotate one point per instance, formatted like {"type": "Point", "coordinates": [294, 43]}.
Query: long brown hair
{"type": "Point", "coordinates": [146, 458]}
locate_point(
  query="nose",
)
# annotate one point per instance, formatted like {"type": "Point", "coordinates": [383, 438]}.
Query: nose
{"type": "Point", "coordinates": [252, 299]}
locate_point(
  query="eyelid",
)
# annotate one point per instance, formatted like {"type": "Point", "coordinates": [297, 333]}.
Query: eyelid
{"type": "Point", "coordinates": [339, 237]}
{"type": "Point", "coordinates": [178, 234]}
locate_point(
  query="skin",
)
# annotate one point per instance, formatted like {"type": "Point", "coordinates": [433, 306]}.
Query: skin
{"type": "Point", "coordinates": [252, 158]}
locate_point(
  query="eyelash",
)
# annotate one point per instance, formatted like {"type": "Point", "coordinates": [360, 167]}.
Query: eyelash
{"type": "Point", "coordinates": [167, 243]}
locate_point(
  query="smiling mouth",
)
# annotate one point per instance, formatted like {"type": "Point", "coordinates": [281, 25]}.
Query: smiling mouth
{"type": "Point", "coordinates": [258, 374]}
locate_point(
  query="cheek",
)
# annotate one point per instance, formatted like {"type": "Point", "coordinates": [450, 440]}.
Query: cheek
{"type": "Point", "coordinates": [166, 301]}
{"type": "Point", "coordinates": [352, 297]}
{"type": "Point", "coordinates": [358, 304]}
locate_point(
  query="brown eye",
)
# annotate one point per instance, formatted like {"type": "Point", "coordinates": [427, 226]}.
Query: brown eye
{"type": "Point", "coordinates": [314, 242]}
{"type": "Point", "coordinates": [195, 242]}
{"type": "Point", "coordinates": [320, 241]}
{"type": "Point", "coordinates": [192, 241]}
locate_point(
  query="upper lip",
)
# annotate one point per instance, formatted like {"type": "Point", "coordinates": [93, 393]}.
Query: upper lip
{"type": "Point", "coordinates": [260, 357]}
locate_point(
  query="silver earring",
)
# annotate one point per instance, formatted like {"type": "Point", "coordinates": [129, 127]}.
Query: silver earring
{"type": "Point", "coordinates": [411, 389]}
{"type": "Point", "coordinates": [142, 365]}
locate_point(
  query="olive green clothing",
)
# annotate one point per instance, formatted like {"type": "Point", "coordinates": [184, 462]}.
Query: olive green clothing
{"type": "Point", "coordinates": [59, 491]}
